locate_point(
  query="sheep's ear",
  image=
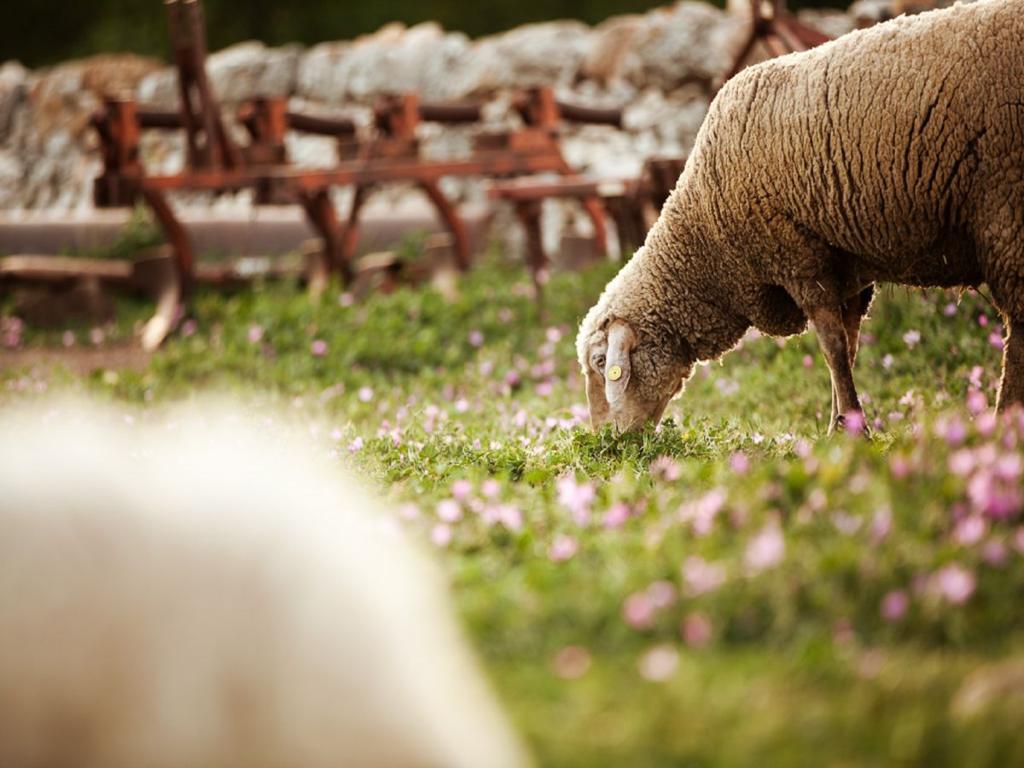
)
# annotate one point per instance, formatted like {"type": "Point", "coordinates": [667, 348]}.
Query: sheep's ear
{"type": "Point", "coordinates": [621, 341]}
{"type": "Point", "coordinates": [596, 400]}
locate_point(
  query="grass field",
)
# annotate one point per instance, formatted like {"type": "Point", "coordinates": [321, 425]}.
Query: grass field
{"type": "Point", "coordinates": [732, 589]}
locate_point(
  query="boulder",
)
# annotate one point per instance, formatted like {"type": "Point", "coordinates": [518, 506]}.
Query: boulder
{"type": "Point", "coordinates": [688, 42]}
{"type": "Point", "coordinates": [238, 73]}
{"type": "Point", "coordinates": [13, 80]}
{"type": "Point", "coordinates": [534, 54]}
{"type": "Point", "coordinates": [393, 60]}
{"type": "Point", "coordinates": [614, 50]}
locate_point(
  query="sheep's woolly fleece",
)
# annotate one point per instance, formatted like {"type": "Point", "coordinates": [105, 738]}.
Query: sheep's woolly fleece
{"type": "Point", "coordinates": [893, 154]}
{"type": "Point", "coordinates": [199, 590]}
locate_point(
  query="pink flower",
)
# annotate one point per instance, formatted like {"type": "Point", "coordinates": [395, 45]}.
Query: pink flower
{"type": "Point", "coordinates": [572, 662]}
{"type": "Point", "coordinates": [68, 338]}
{"type": "Point", "coordinates": [961, 462]}
{"type": "Point", "coordinates": [97, 336]}
{"type": "Point", "coordinates": [701, 513]}
{"type": "Point", "coordinates": [739, 463]}
{"type": "Point", "coordinates": [562, 548]}
{"type": "Point", "coordinates": [854, 422]}
{"type": "Point", "coordinates": [365, 394]}
{"type": "Point", "coordinates": [894, 605]}
{"type": "Point", "coordinates": [954, 583]}
{"type": "Point", "coordinates": [255, 334]}
{"type": "Point", "coordinates": [638, 611]}
{"type": "Point", "coordinates": [355, 445]}
{"type": "Point", "coordinates": [441, 535]}
{"type": "Point", "coordinates": [995, 553]}
{"type": "Point", "coordinates": [617, 514]}
{"type": "Point", "coordinates": [449, 510]}
{"type": "Point", "coordinates": [318, 347]}
{"type": "Point", "coordinates": [461, 489]}
{"type": "Point", "coordinates": [700, 576]}
{"type": "Point", "coordinates": [949, 310]}
{"type": "Point", "coordinates": [766, 549]}
{"type": "Point", "coordinates": [970, 531]}
{"type": "Point", "coordinates": [490, 488]}
{"type": "Point", "coordinates": [976, 401]}
{"type": "Point", "coordinates": [511, 517]}
{"type": "Point", "coordinates": [476, 338]}
{"type": "Point", "coordinates": [887, 362]}
{"type": "Point", "coordinates": [808, 361]}
{"type": "Point", "coordinates": [996, 339]}
{"type": "Point", "coordinates": [553, 335]}
{"type": "Point", "coordinates": [912, 338]}
{"type": "Point", "coordinates": [952, 430]}
{"type": "Point", "coordinates": [662, 594]}
{"type": "Point", "coordinates": [659, 663]}
{"type": "Point", "coordinates": [346, 299]}
{"type": "Point", "coordinates": [665, 468]}
{"type": "Point", "coordinates": [696, 630]}
{"type": "Point", "coordinates": [576, 497]}
{"type": "Point", "coordinates": [881, 525]}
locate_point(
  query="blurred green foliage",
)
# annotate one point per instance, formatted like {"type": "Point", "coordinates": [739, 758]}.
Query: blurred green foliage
{"type": "Point", "coordinates": [48, 31]}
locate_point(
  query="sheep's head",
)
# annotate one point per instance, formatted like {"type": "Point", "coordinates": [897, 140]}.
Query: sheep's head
{"type": "Point", "coordinates": [631, 376]}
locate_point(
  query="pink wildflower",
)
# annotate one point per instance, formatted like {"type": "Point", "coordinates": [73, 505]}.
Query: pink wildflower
{"type": "Point", "coordinates": [912, 338]}
{"type": "Point", "coordinates": [661, 593]}
{"type": "Point", "coordinates": [739, 463]}
{"type": "Point", "coordinates": [766, 549]}
{"type": "Point", "coordinates": [562, 548]}
{"type": "Point", "coordinates": [954, 583]}
{"type": "Point", "coordinates": [696, 630]}
{"type": "Point", "coordinates": [318, 348]}
{"type": "Point", "coordinates": [617, 514]}
{"type": "Point", "coordinates": [441, 535]}
{"type": "Point", "coordinates": [976, 401]}
{"type": "Point", "coordinates": [995, 553]}
{"type": "Point", "coordinates": [365, 394]}
{"type": "Point", "coordinates": [970, 531]}
{"type": "Point", "coordinates": [255, 334]}
{"type": "Point", "coordinates": [490, 488]}
{"type": "Point", "coordinates": [854, 422]}
{"type": "Point", "coordinates": [700, 576]}
{"type": "Point", "coordinates": [638, 611]}
{"type": "Point", "coordinates": [894, 605]}
{"type": "Point", "coordinates": [666, 468]}
{"type": "Point", "coordinates": [461, 489]}
{"type": "Point", "coordinates": [576, 497]}
{"type": "Point", "coordinates": [476, 338]}
{"type": "Point", "coordinates": [572, 662]}
{"type": "Point", "coordinates": [449, 510]}
{"type": "Point", "coordinates": [701, 513]}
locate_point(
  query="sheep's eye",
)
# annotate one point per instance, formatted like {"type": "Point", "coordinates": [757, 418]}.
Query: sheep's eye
{"type": "Point", "coordinates": [599, 362]}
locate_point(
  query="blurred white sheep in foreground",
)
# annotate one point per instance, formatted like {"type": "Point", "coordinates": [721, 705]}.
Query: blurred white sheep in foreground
{"type": "Point", "coordinates": [205, 593]}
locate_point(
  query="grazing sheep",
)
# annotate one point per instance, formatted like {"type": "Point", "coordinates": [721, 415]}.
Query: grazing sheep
{"type": "Point", "coordinates": [209, 594]}
{"type": "Point", "coordinates": [893, 154]}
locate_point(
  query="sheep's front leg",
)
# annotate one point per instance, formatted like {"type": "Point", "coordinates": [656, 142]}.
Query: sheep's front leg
{"type": "Point", "coordinates": [828, 321]}
{"type": "Point", "coordinates": [854, 311]}
{"type": "Point", "coordinates": [1011, 386]}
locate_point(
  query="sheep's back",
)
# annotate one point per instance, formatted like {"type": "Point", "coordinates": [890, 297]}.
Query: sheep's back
{"type": "Point", "coordinates": [885, 144]}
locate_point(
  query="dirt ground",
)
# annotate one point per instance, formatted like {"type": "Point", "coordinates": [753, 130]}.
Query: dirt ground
{"type": "Point", "coordinates": [78, 360]}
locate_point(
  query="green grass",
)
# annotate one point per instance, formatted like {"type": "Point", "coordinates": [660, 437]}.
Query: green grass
{"type": "Point", "coordinates": [787, 661]}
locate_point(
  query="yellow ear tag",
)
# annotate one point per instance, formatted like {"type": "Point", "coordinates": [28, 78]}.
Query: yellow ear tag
{"type": "Point", "coordinates": [614, 373]}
